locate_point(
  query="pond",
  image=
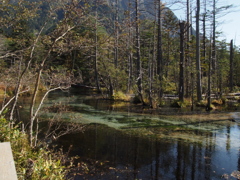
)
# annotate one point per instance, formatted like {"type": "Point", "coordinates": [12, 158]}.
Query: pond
{"type": "Point", "coordinates": [125, 141]}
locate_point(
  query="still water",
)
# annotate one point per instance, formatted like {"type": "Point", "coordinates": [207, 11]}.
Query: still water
{"type": "Point", "coordinates": [122, 141]}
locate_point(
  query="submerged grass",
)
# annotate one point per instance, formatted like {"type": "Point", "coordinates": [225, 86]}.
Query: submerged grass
{"type": "Point", "coordinates": [192, 128]}
{"type": "Point", "coordinates": [184, 126]}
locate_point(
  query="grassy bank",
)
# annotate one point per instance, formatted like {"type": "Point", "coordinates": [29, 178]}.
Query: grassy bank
{"type": "Point", "coordinates": [31, 163]}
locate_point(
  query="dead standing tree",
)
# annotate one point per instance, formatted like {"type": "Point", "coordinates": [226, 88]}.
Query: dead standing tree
{"type": "Point", "coordinates": [198, 61]}
{"type": "Point", "coordinates": [182, 60]}
{"type": "Point", "coordinates": [73, 15]}
{"type": "Point", "coordinates": [138, 53]}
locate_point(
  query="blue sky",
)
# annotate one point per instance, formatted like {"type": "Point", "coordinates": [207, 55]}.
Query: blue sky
{"type": "Point", "coordinates": [229, 24]}
{"type": "Point", "coordinates": [231, 27]}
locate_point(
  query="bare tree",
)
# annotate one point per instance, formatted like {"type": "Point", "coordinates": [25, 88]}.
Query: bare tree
{"type": "Point", "coordinates": [198, 62]}
{"type": "Point", "coordinates": [231, 66]}
{"type": "Point", "coordinates": [208, 107]}
{"type": "Point", "coordinates": [96, 47]}
{"type": "Point", "coordinates": [159, 49]}
{"type": "Point", "coordinates": [187, 54]}
{"type": "Point", "coordinates": [56, 80]}
{"type": "Point", "coordinates": [182, 60]}
{"type": "Point", "coordinates": [116, 49]}
{"type": "Point", "coordinates": [138, 53]}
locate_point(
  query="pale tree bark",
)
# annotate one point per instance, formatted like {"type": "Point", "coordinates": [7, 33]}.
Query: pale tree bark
{"type": "Point", "coordinates": [152, 60]}
{"type": "Point", "coordinates": [208, 107]}
{"type": "Point", "coordinates": [198, 62]}
{"type": "Point", "coordinates": [33, 114]}
{"type": "Point", "coordinates": [138, 53]}
{"type": "Point", "coordinates": [187, 56]}
{"type": "Point", "coordinates": [204, 32]}
{"type": "Point", "coordinates": [231, 67]}
{"type": "Point", "coordinates": [11, 100]}
{"type": "Point", "coordinates": [116, 33]}
{"type": "Point", "coordinates": [159, 50]}
{"type": "Point", "coordinates": [20, 78]}
{"type": "Point", "coordinates": [129, 49]}
{"type": "Point", "coordinates": [216, 12]}
{"type": "Point", "coordinates": [96, 48]}
{"type": "Point", "coordinates": [214, 37]}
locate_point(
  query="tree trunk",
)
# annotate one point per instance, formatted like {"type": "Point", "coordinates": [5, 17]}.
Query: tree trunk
{"type": "Point", "coordinates": [208, 108]}
{"type": "Point", "coordinates": [33, 114]}
{"type": "Point", "coordinates": [159, 50]}
{"type": "Point", "coordinates": [204, 35]}
{"type": "Point", "coordinates": [130, 53]}
{"type": "Point", "coordinates": [198, 63]}
{"type": "Point", "coordinates": [96, 49]}
{"type": "Point", "coordinates": [187, 56]}
{"type": "Point", "coordinates": [116, 34]}
{"type": "Point", "coordinates": [182, 58]}
{"type": "Point", "coordinates": [214, 38]}
{"type": "Point", "coordinates": [138, 54]}
{"type": "Point", "coordinates": [19, 83]}
{"type": "Point", "coordinates": [231, 67]}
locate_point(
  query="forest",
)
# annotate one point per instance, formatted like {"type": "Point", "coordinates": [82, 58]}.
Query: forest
{"type": "Point", "coordinates": [126, 47]}
{"type": "Point", "coordinates": [122, 49]}
{"type": "Point", "coordinates": [119, 48]}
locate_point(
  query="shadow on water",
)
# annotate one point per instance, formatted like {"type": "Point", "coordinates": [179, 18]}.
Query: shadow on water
{"type": "Point", "coordinates": [120, 144]}
{"type": "Point", "coordinates": [113, 154]}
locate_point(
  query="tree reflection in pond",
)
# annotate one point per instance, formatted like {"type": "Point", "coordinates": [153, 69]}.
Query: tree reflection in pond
{"type": "Point", "coordinates": [119, 144]}
{"type": "Point", "coordinates": [128, 156]}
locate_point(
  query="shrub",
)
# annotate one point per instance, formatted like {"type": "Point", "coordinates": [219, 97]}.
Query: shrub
{"type": "Point", "coordinates": [217, 102]}
{"type": "Point", "coordinates": [38, 163]}
{"type": "Point", "coordinates": [119, 95]}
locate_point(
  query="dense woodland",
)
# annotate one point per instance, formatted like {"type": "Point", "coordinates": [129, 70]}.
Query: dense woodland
{"type": "Point", "coordinates": [119, 47]}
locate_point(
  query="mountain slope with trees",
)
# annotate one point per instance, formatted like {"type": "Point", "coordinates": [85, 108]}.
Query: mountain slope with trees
{"type": "Point", "coordinates": [49, 45]}
{"type": "Point", "coordinates": [118, 47]}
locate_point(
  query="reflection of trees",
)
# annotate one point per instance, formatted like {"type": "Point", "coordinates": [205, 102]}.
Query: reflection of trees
{"type": "Point", "coordinates": [194, 160]}
{"type": "Point", "coordinates": [239, 160]}
{"type": "Point", "coordinates": [228, 143]}
{"type": "Point", "coordinates": [183, 160]}
{"type": "Point", "coordinates": [180, 161]}
{"type": "Point", "coordinates": [157, 159]}
{"type": "Point", "coordinates": [137, 157]}
{"type": "Point", "coordinates": [136, 153]}
{"type": "Point", "coordinates": [209, 149]}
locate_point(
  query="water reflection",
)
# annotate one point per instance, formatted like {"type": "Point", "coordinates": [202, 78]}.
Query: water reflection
{"type": "Point", "coordinates": [127, 156]}
{"type": "Point", "coordinates": [165, 149]}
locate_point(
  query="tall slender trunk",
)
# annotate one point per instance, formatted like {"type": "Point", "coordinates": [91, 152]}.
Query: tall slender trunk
{"type": "Point", "coordinates": [96, 48]}
{"type": "Point", "coordinates": [208, 108]}
{"type": "Point", "coordinates": [159, 50]}
{"type": "Point", "coordinates": [181, 64]}
{"type": "Point", "coordinates": [204, 35]}
{"type": "Point", "coordinates": [152, 60]}
{"type": "Point", "coordinates": [214, 63]}
{"type": "Point", "coordinates": [231, 67]}
{"type": "Point", "coordinates": [150, 78]}
{"type": "Point", "coordinates": [116, 33]}
{"type": "Point", "coordinates": [138, 53]}
{"type": "Point", "coordinates": [33, 114]}
{"type": "Point", "coordinates": [129, 49]}
{"type": "Point", "coordinates": [187, 56]}
{"type": "Point", "coordinates": [198, 63]}
{"type": "Point", "coordinates": [20, 77]}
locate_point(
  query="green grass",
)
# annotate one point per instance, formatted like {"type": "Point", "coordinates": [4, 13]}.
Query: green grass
{"type": "Point", "coordinates": [31, 163]}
